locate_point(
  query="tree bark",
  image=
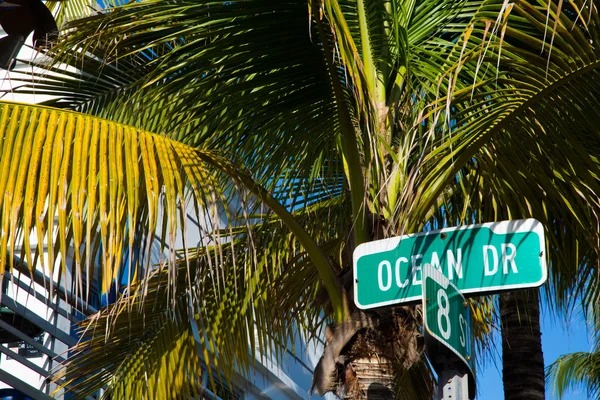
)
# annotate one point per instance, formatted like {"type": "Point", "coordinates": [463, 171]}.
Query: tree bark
{"type": "Point", "coordinates": [522, 357]}
{"type": "Point", "coordinates": [369, 378]}
{"type": "Point", "coordinates": [365, 355]}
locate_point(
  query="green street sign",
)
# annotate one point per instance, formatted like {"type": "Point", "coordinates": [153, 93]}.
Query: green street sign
{"type": "Point", "coordinates": [446, 315]}
{"type": "Point", "coordinates": [478, 259]}
{"type": "Point", "coordinates": [447, 323]}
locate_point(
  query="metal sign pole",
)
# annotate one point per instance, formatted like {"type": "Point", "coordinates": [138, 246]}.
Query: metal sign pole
{"type": "Point", "coordinates": [452, 384]}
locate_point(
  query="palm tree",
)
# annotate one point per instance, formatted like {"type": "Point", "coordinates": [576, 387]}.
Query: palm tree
{"type": "Point", "coordinates": [364, 120]}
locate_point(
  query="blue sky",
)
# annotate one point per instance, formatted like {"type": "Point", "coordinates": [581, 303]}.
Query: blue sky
{"type": "Point", "coordinates": [558, 337]}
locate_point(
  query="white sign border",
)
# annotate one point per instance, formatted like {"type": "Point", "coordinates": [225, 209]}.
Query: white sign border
{"type": "Point", "coordinates": [502, 227]}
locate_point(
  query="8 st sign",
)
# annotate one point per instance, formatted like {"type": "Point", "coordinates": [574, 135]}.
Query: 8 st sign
{"type": "Point", "coordinates": [443, 319]}
{"type": "Point", "coordinates": [446, 316]}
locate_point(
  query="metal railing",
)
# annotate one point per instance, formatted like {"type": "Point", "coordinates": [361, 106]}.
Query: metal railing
{"type": "Point", "coordinates": [35, 330]}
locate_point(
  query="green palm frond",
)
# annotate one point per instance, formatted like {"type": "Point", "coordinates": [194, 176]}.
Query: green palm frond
{"type": "Point", "coordinates": [90, 86]}
{"type": "Point", "coordinates": [156, 348]}
{"type": "Point", "coordinates": [581, 369]}
{"type": "Point", "coordinates": [240, 315]}
{"type": "Point", "coordinates": [521, 123]}
{"type": "Point", "coordinates": [134, 344]}
{"type": "Point", "coordinates": [153, 83]}
{"type": "Point", "coordinates": [100, 178]}
{"type": "Point", "coordinates": [204, 53]}
{"type": "Point", "coordinates": [576, 369]}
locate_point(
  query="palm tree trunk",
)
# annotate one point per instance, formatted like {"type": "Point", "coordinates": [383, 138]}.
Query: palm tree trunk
{"type": "Point", "coordinates": [369, 378]}
{"type": "Point", "coordinates": [365, 355]}
{"type": "Point", "coordinates": [522, 357]}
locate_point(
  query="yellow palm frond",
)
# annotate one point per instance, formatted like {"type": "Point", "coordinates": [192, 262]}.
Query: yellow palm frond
{"type": "Point", "coordinates": [73, 182]}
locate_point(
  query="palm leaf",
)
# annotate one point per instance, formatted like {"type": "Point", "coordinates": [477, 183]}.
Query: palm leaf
{"type": "Point", "coordinates": [163, 349]}
{"type": "Point", "coordinates": [239, 316]}
{"type": "Point", "coordinates": [101, 179]}
{"type": "Point", "coordinates": [572, 370]}
{"type": "Point", "coordinates": [95, 175]}
{"type": "Point", "coordinates": [506, 123]}
{"type": "Point", "coordinates": [581, 369]}
{"type": "Point", "coordinates": [152, 84]}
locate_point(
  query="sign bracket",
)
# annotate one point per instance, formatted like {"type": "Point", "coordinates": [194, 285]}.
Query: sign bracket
{"type": "Point", "coordinates": [452, 383]}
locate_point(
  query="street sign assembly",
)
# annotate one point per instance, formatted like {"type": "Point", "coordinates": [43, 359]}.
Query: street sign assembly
{"type": "Point", "coordinates": [478, 259]}
{"type": "Point", "coordinates": [447, 331]}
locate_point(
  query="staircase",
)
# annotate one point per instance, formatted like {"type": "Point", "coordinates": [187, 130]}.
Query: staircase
{"type": "Point", "coordinates": [35, 331]}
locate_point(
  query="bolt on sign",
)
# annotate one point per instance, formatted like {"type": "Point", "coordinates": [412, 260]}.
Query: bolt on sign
{"type": "Point", "coordinates": [478, 259]}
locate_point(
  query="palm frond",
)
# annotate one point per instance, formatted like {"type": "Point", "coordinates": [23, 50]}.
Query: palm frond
{"type": "Point", "coordinates": [100, 179]}
{"type": "Point", "coordinates": [506, 120]}
{"type": "Point", "coordinates": [164, 81]}
{"type": "Point", "coordinates": [68, 176]}
{"type": "Point", "coordinates": [235, 301]}
{"type": "Point", "coordinates": [576, 370]}
{"type": "Point", "coordinates": [156, 348]}
{"type": "Point", "coordinates": [581, 369]}
{"type": "Point", "coordinates": [95, 175]}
